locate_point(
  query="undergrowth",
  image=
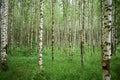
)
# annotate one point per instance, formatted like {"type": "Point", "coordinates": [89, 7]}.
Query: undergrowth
{"type": "Point", "coordinates": [23, 65]}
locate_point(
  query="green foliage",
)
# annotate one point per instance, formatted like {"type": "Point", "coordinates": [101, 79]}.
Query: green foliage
{"type": "Point", "coordinates": [24, 66]}
{"type": "Point", "coordinates": [115, 65]}
{"type": "Point", "coordinates": [116, 4]}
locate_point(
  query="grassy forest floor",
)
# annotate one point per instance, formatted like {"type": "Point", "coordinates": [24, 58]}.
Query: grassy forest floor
{"type": "Point", "coordinates": [24, 66]}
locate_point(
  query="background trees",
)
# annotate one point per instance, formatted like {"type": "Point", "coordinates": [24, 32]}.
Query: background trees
{"type": "Point", "coordinates": [24, 19]}
{"type": "Point", "coordinates": [72, 29]}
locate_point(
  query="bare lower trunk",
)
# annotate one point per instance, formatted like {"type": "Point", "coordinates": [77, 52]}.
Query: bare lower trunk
{"type": "Point", "coordinates": [106, 38]}
{"type": "Point", "coordinates": [82, 34]}
{"type": "Point", "coordinates": [4, 38]}
{"type": "Point", "coordinates": [41, 35]}
{"type": "Point", "coordinates": [53, 23]}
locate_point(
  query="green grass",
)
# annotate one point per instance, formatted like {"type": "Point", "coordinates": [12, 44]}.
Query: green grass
{"type": "Point", "coordinates": [24, 66]}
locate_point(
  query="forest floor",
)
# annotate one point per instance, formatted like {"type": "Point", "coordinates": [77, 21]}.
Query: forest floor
{"type": "Point", "coordinates": [24, 66]}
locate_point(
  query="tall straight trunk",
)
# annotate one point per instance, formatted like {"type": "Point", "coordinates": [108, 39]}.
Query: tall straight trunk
{"type": "Point", "coordinates": [70, 41]}
{"type": "Point", "coordinates": [11, 35]}
{"type": "Point", "coordinates": [106, 39]}
{"type": "Point", "coordinates": [36, 38]}
{"type": "Point", "coordinates": [47, 37]}
{"type": "Point", "coordinates": [53, 23]}
{"type": "Point", "coordinates": [59, 42]}
{"type": "Point", "coordinates": [4, 38]}
{"type": "Point", "coordinates": [113, 32]}
{"type": "Point", "coordinates": [32, 23]}
{"type": "Point", "coordinates": [88, 24]}
{"type": "Point", "coordinates": [12, 38]}
{"type": "Point", "coordinates": [80, 23]}
{"type": "Point", "coordinates": [75, 27]}
{"type": "Point", "coordinates": [59, 30]}
{"type": "Point", "coordinates": [20, 27]}
{"type": "Point", "coordinates": [28, 33]}
{"type": "Point", "coordinates": [21, 34]}
{"type": "Point", "coordinates": [65, 24]}
{"type": "Point", "coordinates": [92, 27]}
{"type": "Point", "coordinates": [36, 27]}
{"type": "Point", "coordinates": [79, 9]}
{"type": "Point", "coordinates": [31, 38]}
{"type": "Point", "coordinates": [115, 29]}
{"type": "Point", "coordinates": [41, 35]}
{"type": "Point", "coordinates": [102, 7]}
{"type": "Point", "coordinates": [82, 34]}
{"type": "Point", "coordinates": [70, 30]}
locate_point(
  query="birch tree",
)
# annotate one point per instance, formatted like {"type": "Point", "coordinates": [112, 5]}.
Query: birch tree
{"type": "Point", "coordinates": [4, 38]}
{"type": "Point", "coordinates": [106, 38]}
{"type": "Point", "coordinates": [53, 22]}
{"type": "Point", "coordinates": [82, 34]}
{"type": "Point", "coordinates": [41, 35]}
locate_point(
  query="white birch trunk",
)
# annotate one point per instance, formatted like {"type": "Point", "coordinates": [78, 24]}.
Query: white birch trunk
{"type": "Point", "coordinates": [4, 38]}
{"type": "Point", "coordinates": [41, 35]}
{"type": "Point", "coordinates": [106, 38]}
